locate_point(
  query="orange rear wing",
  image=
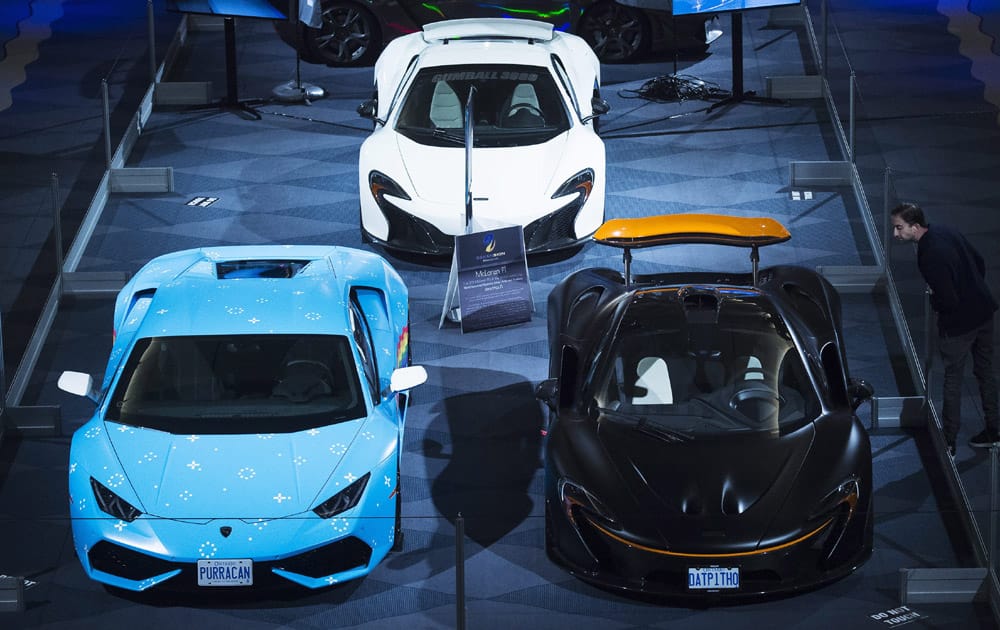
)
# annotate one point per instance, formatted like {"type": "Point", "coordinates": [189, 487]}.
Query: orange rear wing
{"type": "Point", "coordinates": [676, 229]}
{"type": "Point", "coordinates": [672, 229]}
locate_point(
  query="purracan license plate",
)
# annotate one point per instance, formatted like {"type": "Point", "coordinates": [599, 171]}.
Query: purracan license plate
{"type": "Point", "coordinates": [237, 572]}
{"type": "Point", "coordinates": [713, 578]}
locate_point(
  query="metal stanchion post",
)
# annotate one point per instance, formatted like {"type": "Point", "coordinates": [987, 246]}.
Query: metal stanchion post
{"type": "Point", "coordinates": [824, 11]}
{"type": "Point", "coordinates": [57, 228]}
{"type": "Point", "coordinates": [886, 223]}
{"type": "Point", "coordinates": [152, 40]}
{"type": "Point", "coordinates": [107, 123]}
{"type": "Point", "coordinates": [460, 572]}
{"type": "Point", "coordinates": [994, 484]}
{"type": "Point", "coordinates": [851, 117]}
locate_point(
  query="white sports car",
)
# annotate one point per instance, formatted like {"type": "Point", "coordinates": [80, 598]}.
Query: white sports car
{"type": "Point", "coordinates": [533, 95]}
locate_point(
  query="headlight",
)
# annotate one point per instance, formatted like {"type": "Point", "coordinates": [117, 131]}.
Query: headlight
{"type": "Point", "coordinates": [111, 503]}
{"type": "Point", "coordinates": [381, 184]}
{"type": "Point", "coordinates": [573, 495]}
{"type": "Point", "coordinates": [846, 494]}
{"type": "Point", "coordinates": [582, 182]}
{"type": "Point", "coordinates": [343, 500]}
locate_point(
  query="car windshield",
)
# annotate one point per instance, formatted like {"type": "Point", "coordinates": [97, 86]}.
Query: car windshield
{"type": "Point", "coordinates": [238, 384]}
{"type": "Point", "coordinates": [512, 106]}
{"type": "Point", "coordinates": [703, 365]}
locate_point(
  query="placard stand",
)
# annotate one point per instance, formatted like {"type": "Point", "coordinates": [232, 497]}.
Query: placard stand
{"type": "Point", "coordinates": [489, 268]}
{"type": "Point", "coordinates": [232, 101]}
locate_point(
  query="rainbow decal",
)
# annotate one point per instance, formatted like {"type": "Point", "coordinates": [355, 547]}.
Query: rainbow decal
{"type": "Point", "coordinates": [402, 346]}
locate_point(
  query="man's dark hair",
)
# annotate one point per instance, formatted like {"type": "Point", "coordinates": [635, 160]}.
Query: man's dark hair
{"type": "Point", "coordinates": [910, 213]}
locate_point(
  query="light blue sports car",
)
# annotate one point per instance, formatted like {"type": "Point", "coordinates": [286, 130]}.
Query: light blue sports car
{"type": "Point", "coordinates": [250, 422]}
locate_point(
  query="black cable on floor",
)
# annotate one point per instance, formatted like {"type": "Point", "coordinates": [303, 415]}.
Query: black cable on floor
{"type": "Point", "coordinates": [676, 87]}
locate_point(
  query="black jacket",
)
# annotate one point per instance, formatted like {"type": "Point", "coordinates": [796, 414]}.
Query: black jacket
{"type": "Point", "coordinates": [956, 274]}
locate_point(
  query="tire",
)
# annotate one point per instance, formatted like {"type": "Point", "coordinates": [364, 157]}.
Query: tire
{"type": "Point", "coordinates": [349, 36]}
{"type": "Point", "coordinates": [617, 33]}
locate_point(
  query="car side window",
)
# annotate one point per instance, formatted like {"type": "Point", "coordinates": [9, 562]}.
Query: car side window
{"type": "Point", "coordinates": [403, 81]}
{"type": "Point", "coordinates": [366, 349]}
{"type": "Point", "coordinates": [557, 65]}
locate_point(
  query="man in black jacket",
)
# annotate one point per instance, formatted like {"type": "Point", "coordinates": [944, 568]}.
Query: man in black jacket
{"type": "Point", "coordinates": [956, 275]}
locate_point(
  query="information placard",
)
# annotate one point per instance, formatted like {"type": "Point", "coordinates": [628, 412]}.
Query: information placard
{"type": "Point", "coordinates": [493, 288]}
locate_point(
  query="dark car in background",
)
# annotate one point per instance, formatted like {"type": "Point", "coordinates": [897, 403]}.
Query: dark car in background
{"type": "Point", "coordinates": [355, 31]}
{"type": "Point", "coordinates": [703, 441]}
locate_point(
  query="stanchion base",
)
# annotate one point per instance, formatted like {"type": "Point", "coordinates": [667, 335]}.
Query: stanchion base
{"type": "Point", "coordinates": [296, 92]}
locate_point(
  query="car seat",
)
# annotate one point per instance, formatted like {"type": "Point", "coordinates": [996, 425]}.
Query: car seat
{"type": "Point", "coordinates": [446, 109]}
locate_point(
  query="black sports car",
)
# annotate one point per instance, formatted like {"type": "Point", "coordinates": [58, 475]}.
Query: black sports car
{"type": "Point", "coordinates": [354, 32]}
{"type": "Point", "coordinates": [702, 439]}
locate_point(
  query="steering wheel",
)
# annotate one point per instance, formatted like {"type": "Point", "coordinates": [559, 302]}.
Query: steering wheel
{"type": "Point", "coordinates": [304, 380]}
{"type": "Point", "coordinates": [756, 401]}
{"type": "Point", "coordinates": [514, 108]}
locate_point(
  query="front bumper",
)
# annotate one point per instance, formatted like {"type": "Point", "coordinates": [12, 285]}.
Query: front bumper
{"type": "Point", "coordinates": [409, 233]}
{"type": "Point", "coordinates": [137, 556]}
{"type": "Point", "coordinates": [598, 556]}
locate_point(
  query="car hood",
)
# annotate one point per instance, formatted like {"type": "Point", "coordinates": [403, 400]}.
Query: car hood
{"type": "Point", "coordinates": [706, 494]}
{"type": "Point", "coordinates": [437, 174]}
{"type": "Point", "coordinates": [239, 476]}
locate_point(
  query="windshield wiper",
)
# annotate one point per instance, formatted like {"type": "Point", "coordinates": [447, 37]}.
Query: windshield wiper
{"type": "Point", "coordinates": [643, 425]}
{"type": "Point", "coordinates": [448, 135]}
{"type": "Point", "coordinates": [670, 435]}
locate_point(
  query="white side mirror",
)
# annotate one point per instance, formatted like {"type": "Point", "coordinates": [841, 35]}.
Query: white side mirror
{"type": "Point", "coordinates": [78, 383]}
{"type": "Point", "coordinates": [405, 378]}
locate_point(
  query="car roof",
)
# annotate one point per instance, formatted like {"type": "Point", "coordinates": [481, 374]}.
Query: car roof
{"type": "Point", "coordinates": [199, 298]}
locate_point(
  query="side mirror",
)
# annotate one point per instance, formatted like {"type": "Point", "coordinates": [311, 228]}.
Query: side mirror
{"type": "Point", "coordinates": [406, 378]}
{"type": "Point", "coordinates": [369, 110]}
{"type": "Point", "coordinates": [548, 392]}
{"type": "Point", "coordinates": [599, 107]}
{"type": "Point", "coordinates": [860, 392]}
{"type": "Point", "coordinates": [77, 383]}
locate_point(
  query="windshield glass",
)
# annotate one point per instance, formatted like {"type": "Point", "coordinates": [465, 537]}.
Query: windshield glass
{"type": "Point", "coordinates": [238, 384]}
{"type": "Point", "coordinates": [706, 364]}
{"type": "Point", "coordinates": [512, 106]}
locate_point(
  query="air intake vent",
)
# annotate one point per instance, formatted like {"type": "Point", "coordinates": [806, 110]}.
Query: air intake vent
{"type": "Point", "coordinates": [700, 306]}
{"type": "Point", "coordinates": [232, 269]}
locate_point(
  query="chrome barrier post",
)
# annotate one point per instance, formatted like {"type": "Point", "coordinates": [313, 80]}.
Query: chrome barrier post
{"type": "Point", "coordinates": [994, 484]}
{"type": "Point", "coordinates": [459, 572]}
{"type": "Point", "coordinates": [57, 227]}
{"type": "Point", "coordinates": [851, 116]}
{"type": "Point", "coordinates": [886, 209]}
{"type": "Point", "coordinates": [107, 124]}
{"type": "Point", "coordinates": [824, 56]}
{"type": "Point", "coordinates": [152, 40]}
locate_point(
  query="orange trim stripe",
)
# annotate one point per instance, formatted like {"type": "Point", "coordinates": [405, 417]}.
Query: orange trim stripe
{"type": "Point", "coordinates": [679, 554]}
{"type": "Point", "coordinates": [668, 229]}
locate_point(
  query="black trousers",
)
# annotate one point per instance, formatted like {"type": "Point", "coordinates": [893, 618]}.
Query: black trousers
{"type": "Point", "coordinates": [954, 353]}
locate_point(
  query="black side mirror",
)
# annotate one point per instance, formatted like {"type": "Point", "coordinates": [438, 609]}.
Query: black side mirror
{"type": "Point", "coordinates": [600, 106]}
{"type": "Point", "coordinates": [548, 392]}
{"type": "Point", "coordinates": [368, 109]}
{"type": "Point", "coordinates": [860, 391]}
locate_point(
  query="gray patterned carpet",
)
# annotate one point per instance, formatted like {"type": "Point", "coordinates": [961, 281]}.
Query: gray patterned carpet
{"type": "Point", "coordinates": [473, 441]}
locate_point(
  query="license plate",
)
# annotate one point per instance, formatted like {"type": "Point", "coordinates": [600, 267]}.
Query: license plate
{"type": "Point", "coordinates": [713, 578]}
{"type": "Point", "coordinates": [225, 572]}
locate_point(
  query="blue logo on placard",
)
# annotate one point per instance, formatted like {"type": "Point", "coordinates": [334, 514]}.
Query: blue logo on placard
{"type": "Point", "coordinates": [489, 243]}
